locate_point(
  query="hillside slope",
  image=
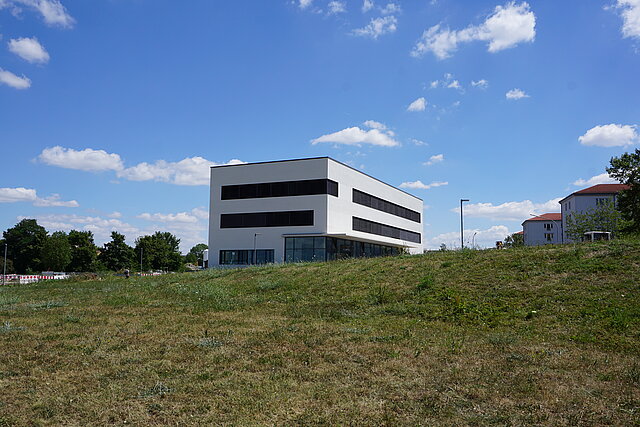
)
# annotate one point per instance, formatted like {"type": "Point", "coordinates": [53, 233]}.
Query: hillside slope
{"type": "Point", "coordinates": [521, 336]}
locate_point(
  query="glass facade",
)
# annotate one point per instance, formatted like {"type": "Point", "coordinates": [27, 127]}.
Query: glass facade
{"type": "Point", "coordinates": [279, 189]}
{"type": "Point", "coordinates": [246, 257]}
{"type": "Point", "coordinates": [299, 249]}
{"type": "Point", "coordinates": [373, 227]}
{"type": "Point", "coordinates": [365, 199]}
{"type": "Point", "coordinates": [267, 219]}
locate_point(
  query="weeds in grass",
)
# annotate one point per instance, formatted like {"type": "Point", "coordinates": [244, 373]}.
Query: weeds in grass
{"type": "Point", "coordinates": [47, 305]}
{"type": "Point", "coordinates": [159, 389]}
{"type": "Point", "coordinates": [380, 295]}
{"type": "Point", "coordinates": [8, 327]}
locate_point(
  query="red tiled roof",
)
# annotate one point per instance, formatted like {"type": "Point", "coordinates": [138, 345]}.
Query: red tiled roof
{"type": "Point", "coordinates": [519, 232]}
{"type": "Point", "coordinates": [546, 217]}
{"type": "Point", "coordinates": [603, 189]}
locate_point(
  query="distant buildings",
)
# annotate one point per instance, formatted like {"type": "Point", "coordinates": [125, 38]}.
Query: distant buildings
{"type": "Point", "coordinates": [550, 228]}
{"type": "Point", "coordinates": [315, 209]}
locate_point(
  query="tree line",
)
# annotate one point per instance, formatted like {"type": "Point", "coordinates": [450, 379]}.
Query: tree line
{"type": "Point", "coordinates": [31, 249]}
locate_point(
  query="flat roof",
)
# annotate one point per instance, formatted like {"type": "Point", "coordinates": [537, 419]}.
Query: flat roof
{"type": "Point", "coordinates": [318, 158]}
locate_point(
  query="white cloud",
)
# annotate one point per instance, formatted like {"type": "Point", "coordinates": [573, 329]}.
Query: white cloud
{"type": "Point", "coordinates": [390, 9]}
{"type": "Point", "coordinates": [378, 134]}
{"type": "Point", "coordinates": [480, 84]}
{"type": "Point", "coordinates": [419, 143]}
{"type": "Point", "coordinates": [85, 160]}
{"type": "Point", "coordinates": [10, 79]}
{"type": "Point", "coordinates": [378, 27]}
{"type": "Point", "coordinates": [516, 94]}
{"type": "Point", "coordinates": [603, 178]}
{"type": "Point", "coordinates": [115, 214]}
{"type": "Point", "coordinates": [438, 158]}
{"type": "Point", "coordinates": [418, 105]}
{"type": "Point", "coordinates": [21, 194]}
{"type": "Point", "coordinates": [509, 211]}
{"type": "Point", "coordinates": [367, 5]}
{"type": "Point", "coordinates": [29, 49]}
{"type": "Point", "coordinates": [419, 185]}
{"type": "Point", "coordinates": [481, 238]}
{"type": "Point", "coordinates": [336, 7]}
{"type": "Point", "coordinates": [52, 11]}
{"type": "Point", "coordinates": [447, 82]}
{"type": "Point", "coordinates": [182, 217]}
{"type": "Point", "coordinates": [305, 4]}
{"type": "Point", "coordinates": [611, 135]}
{"type": "Point", "coordinates": [630, 12]}
{"type": "Point", "coordinates": [189, 171]}
{"type": "Point", "coordinates": [506, 27]}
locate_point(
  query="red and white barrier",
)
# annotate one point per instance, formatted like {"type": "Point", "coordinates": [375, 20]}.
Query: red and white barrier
{"type": "Point", "coordinates": [31, 278]}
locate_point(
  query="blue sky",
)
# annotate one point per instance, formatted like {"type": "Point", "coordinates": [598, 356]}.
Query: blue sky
{"type": "Point", "coordinates": [111, 111]}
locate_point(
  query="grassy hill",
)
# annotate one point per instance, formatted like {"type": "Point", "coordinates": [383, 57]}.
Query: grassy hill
{"type": "Point", "coordinates": [522, 336]}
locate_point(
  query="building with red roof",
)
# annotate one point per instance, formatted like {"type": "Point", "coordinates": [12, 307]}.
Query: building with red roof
{"type": "Point", "coordinates": [588, 199]}
{"type": "Point", "coordinates": [545, 229]}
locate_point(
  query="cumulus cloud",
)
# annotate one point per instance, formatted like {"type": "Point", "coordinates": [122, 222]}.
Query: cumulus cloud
{"type": "Point", "coordinates": [509, 211]}
{"type": "Point", "coordinates": [630, 12]}
{"type": "Point", "coordinates": [603, 178]}
{"type": "Point", "coordinates": [447, 82]}
{"type": "Point", "coordinates": [516, 94]}
{"type": "Point", "coordinates": [438, 158]}
{"type": "Point", "coordinates": [481, 238]}
{"type": "Point", "coordinates": [181, 217]}
{"type": "Point", "coordinates": [29, 49]}
{"type": "Point", "coordinates": [367, 5]}
{"type": "Point", "coordinates": [85, 160]}
{"type": "Point", "coordinates": [419, 185]}
{"type": "Point", "coordinates": [52, 11]}
{"type": "Point", "coordinates": [188, 171]}
{"type": "Point", "coordinates": [21, 194]}
{"type": "Point", "coordinates": [480, 84]}
{"type": "Point", "coordinates": [390, 9]}
{"type": "Point", "coordinates": [303, 4]}
{"type": "Point", "coordinates": [378, 134]}
{"type": "Point", "coordinates": [336, 7]}
{"type": "Point", "coordinates": [611, 135]}
{"type": "Point", "coordinates": [378, 27]}
{"type": "Point", "coordinates": [16, 82]}
{"type": "Point", "coordinates": [418, 105]}
{"type": "Point", "coordinates": [506, 27]}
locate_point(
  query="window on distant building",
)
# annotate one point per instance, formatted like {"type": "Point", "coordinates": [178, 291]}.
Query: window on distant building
{"type": "Point", "coordinates": [548, 237]}
{"type": "Point", "coordinates": [602, 201]}
{"type": "Point", "coordinates": [548, 226]}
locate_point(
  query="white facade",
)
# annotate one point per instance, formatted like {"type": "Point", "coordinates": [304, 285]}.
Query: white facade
{"type": "Point", "coordinates": [542, 230]}
{"type": "Point", "coordinates": [586, 200]}
{"type": "Point", "coordinates": [333, 216]}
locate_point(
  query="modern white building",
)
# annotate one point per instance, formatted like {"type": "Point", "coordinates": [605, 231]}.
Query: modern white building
{"type": "Point", "coordinates": [545, 229]}
{"type": "Point", "coordinates": [307, 210]}
{"type": "Point", "coordinates": [588, 199]}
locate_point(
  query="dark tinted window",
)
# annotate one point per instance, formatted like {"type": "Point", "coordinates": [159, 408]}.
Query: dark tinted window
{"type": "Point", "coordinates": [266, 219]}
{"type": "Point", "coordinates": [245, 257]}
{"type": "Point", "coordinates": [362, 198]}
{"type": "Point", "coordinates": [280, 189]}
{"type": "Point", "coordinates": [372, 227]}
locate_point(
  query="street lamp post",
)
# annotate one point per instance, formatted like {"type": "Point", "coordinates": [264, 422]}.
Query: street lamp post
{"type": "Point", "coordinates": [255, 238]}
{"type": "Point", "coordinates": [473, 240]}
{"type": "Point", "coordinates": [462, 224]}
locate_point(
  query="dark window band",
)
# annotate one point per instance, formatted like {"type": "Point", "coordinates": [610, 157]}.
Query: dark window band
{"type": "Point", "coordinates": [362, 198]}
{"type": "Point", "coordinates": [280, 189]}
{"type": "Point", "coordinates": [246, 257]}
{"type": "Point", "coordinates": [372, 227]}
{"type": "Point", "coordinates": [266, 219]}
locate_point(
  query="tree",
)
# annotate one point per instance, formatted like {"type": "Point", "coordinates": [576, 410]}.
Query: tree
{"type": "Point", "coordinates": [626, 169]}
{"type": "Point", "coordinates": [25, 241]}
{"type": "Point", "coordinates": [116, 254]}
{"type": "Point", "coordinates": [195, 254]}
{"type": "Point", "coordinates": [56, 252]}
{"type": "Point", "coordinates": [514, 240]}
{"type": "Point", "coordinates": [159, 251]}
{"type": "Point", "coordinates": [604, 217]}
{"type": "Point", "coordinates": [83, 251]}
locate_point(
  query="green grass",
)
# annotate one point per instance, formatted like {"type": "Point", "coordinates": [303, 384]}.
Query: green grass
{"type": "Point", "coordinates": [514, 337]}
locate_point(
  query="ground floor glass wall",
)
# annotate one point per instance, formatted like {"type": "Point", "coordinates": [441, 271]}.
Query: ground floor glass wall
{"type": "Point", "coordinates": [298, 249]}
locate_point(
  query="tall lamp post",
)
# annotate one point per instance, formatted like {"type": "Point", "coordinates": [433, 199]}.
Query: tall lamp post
{"type": "Point", "coordinates": [462, 224]}
{"type": "Point", "coordinates": [255, 238]}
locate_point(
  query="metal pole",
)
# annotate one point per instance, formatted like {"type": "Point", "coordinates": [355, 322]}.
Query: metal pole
{"type": "Point", "coordinates": [4, 272]}
{"type": "Point", "coordinates": [462, 224]}
{"type": "Point", "coordinates": [255, 237]}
